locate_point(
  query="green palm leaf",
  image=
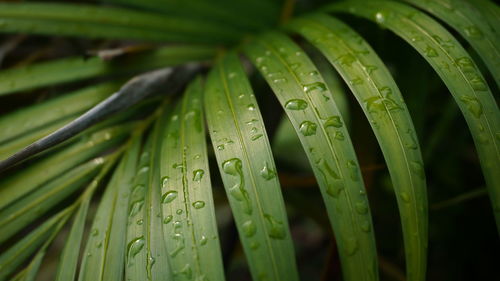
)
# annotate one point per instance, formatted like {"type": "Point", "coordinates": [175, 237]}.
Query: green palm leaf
{"type": "Point", "coordinates": [457, 70]}
{"type": "Point", "coordinates": [378, 94]}
{"type": "Point", "coordinates": [317, 121]}
{"type": "Point", "coordinates": [247, 168]}
{"type": "Point", "coordinates": [188, 212]}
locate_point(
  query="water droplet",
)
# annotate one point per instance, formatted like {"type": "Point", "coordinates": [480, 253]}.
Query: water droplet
{"type": "Point", "coordinates": [267, 173]}
{"type": "Point", "coordinates": [308, 128]}
{"type": "Point", "coordinates": [234, 167]}
{"type": "Point", "coordinates": [338, 135]}
{"type": "Point", "coordinates": [295, 66]}
{"type": "Point", "coordinates": [351, 246]}
{"type": "Point", "coordinates": [187, 271]}
{"type": "Point", "coordinates": [143, 170]}
{"type": "Point", "coordinates": [203, 240]}
{"type": "Point", "coordinates": [199, 204]}
{"type": "Point", "coordinates": [296, 104]}
{"type": "Point", "coordinates": [169, 196]}
{"type": "Point", "coordinates": [279, 80]}
{"type": "Point", "coordinates": [251, 107]}
{"type": "Point", "coordinates": [164, 181]}
{"type": "Point", "coordinates": [356, 81]}
{"type": "Point", "coordinates": [136, 207]}
{"type": "Point", "coordinates": [361, 207]}
{"type": "Point", "coordinates": [430, 52]}
{"type": "Point", "coordinates": [256, 137]}
{"type": "Point", "coordinates": [418, 169]}
{"type": "Point", "coordinates": [347, 59]}
{"type": "Point", "coordinates": [477, 82]}
{"type": "Point", "coordinates": [179, 211]}
{"type": "Point", "coordinates": [254, 245]}
{"type": "Point", "coordinates": [379, 17]}
{"type": "Point", "coordinates": [275, 228]}
{"type": "Point", "coordinates": [382, 103]}
{"type": "Point", "coordinates": [140, 221]}
{"type": "Point", "coordinates": [220, 147]}
{"type": "Point", "coordinates": [149, 265]}
{"type": "Point", "coordinates": [353, 170]}
{"type": "Point", "coordinates": [231, 75]}
{"type": "Point", "coordinates": [249, 229]}
{"type": "Point", "coordinates": [94, 232]}
{"type": "Point", "coordinates": [168, 219]}
{"type": "Point", "coordinates": [320, 86]}
{"type": "Point", "coordinates": [198, 174]}
{"type": "Point", "coordinates": [98, 244]}
{"type": "Point", "coordinates": [366, 226]}
{"type": "Point", "coordinates": [331, 178]}
{"type": "Point", "coordinates": [333, 121]}
{"type": "Point", "coordinates": [473, 32]}
{"type": "Point", "coordinates": [133, 248]}
{"type": "Point", "coordinates": [465, 64]}
{"type": "Point", "coordinates": [405, 197]}
{"type": "Point", "coordinates": [370, 68]}
{"type": "Point", "coordinates": [178, 166]}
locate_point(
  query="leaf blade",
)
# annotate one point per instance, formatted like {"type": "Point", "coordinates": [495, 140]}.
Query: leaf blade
{"type": "Point", "coordinates": [317, 121]}
{"type": "Point", "coordinates": [379, 96]}
{"type": "Point", "coordinates": [243, 152]}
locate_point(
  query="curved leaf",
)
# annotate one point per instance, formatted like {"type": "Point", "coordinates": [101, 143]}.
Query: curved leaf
{"type": "Point", "coordinates": [26, 180]}
{"type": "Point", "coordinates": [104, 253]}
{"type": "Point", "coordinates": [147, 255]}
{"type": "Point", "coordinates": [308, 103]}
{"type": "Point", "coordinates": [457, 70]}
{"type": "Point", "coordinates": [247, 168]}
{"type": "Point", "coordinates": [22, 250]}
{"type": "Point", "coordinates": [79, 68]}
{"type": "Point", "coordinates": [188, 209]}
{"type": "Point", "coordinates": [108, 22]}
{"type": "Point", "coordinates": [382, 103]}
{"type": "Point", "coordinates": [36, 203]}
{"type": "Point", "coordinates": [467, 20]}
{"type": "Point", "coordinates": [33, 117]}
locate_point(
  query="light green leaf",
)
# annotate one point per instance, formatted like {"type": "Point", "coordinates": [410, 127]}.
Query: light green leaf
{"type": "Point", "coordinates": [248, 171]}
{"type": "Point", "coordinates": [379, 96]}
{"type": "Point", "coordinates": [457, 70]}
{"type": "Point", "coordinates": [20, 122]}
{"type": "Point", "coordinates": [26, 180]}
{"type": "Point", "coordinates": [104, 253]}
{"type": "Point", "coordinates": [309, 104]}
{"type": "Point", "coordinates": [12, 258]}
{"type": "Point", "coordinates": [147, 255]}
{"type": "Point", "coordinates": [467, 19]}
{"type": "Point", "coordinates": [37, 202]}
{"type": "Point", "coordinates": [188, 209]}
{"type": "Point", "coordinates": [79, 68]}
{"type": "Point", "coordinates": [108, 22]}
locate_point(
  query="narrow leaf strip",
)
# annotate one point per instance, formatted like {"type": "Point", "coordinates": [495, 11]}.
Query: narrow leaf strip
{"type": "Point", "coordinates": [36, 116]}
{"type": "Point", "coordinates": [468, 20]}
{"type": "Point", "coordinates": [22, 250]}
{"type": "Point", "coordinates": [26, 180]}
{"type": "Point", "coordinates": [377, 93]}
{"type": "Point", "coordinates": [79, 68]}
{"type": "Point", "coordinates": [248, 171]}
{"type": "Point", "coordinates": [36, 203]}
{"type": "Point", "coordinates": [491, 13]}
{"type": "Point", "coordinates": [108, 22]}
{"type": "Point", "coordinates": [146, 252]}
{"type": "Point", "coordinates": [6, 149]}
{"type": "Point", "coordinates": [104, 254]}
{"type": "Point", "coordinates": [308, 103]}
{"type": "Point", "coordinates": [457, 70]}
{"type": "Point", "coordinates": [188, 209]}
